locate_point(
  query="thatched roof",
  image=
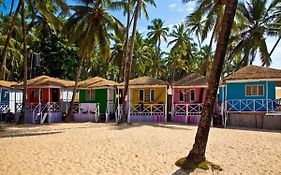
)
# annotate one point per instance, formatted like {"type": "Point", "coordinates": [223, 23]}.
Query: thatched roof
{"type": "Point", "coordinates": [254, 73]}
{"type": "Point", "coordinates": [96, 82]}
{"type": "Point", "coordinates": [145, 81]}
{"type": "Point", "coordinates": [7, 84]}
{"type": "Point", "coordinates": [47, 81]}
{"type": "Point", "coordinates": [192, 80]}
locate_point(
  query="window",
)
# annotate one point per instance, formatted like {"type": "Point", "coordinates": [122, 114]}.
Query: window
{"type": "Point", "coordinates": [32, 94]}
{"type": "Point", "coordinates": [41, 94]}
{"type": "Point", "coordinates": [181, 94]}
{"type": "Point", "coordinates": [254, 90]}
{"type": "Point", "coordinates": [151, 95]}
{"type": "Point", "coordinates": [141, 95]}
{"type": "Point", "coordinates": [90, 94]}
{"type": "Point", "coordinates": [192, 95]}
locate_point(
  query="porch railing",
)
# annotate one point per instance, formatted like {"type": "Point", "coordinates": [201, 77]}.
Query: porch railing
{"type": "Point", "coordinates": [147, 109]}
{"type": "Point", "coordinates": [253, 105]}
{"type": "Point", "coordinates": [187, 109]}
{"type": "Point", "coordinates": [4, 107]}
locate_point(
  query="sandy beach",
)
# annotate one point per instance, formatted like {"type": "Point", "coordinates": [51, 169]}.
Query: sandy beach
{"type": "Point", "coordinates": [144, 149]}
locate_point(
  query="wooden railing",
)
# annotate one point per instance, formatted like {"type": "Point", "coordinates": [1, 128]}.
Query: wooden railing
{"type": "Point", "coordinates": [147, 109]}
{"type": "Point", "coordinates": [187, 109]}
{"type": "Point", "coordinates": [253, 105]}
{"type": "Point", "coordinates": [4, 107]}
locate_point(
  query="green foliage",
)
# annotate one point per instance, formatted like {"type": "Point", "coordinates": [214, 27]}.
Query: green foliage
{"type": "Point", "coordinates": [57, 60]}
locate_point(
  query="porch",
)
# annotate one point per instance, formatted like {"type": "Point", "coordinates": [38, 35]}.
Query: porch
{"type": "Point", "coordinates": [43, 113]}
{"type": "Point", "coordinates": [86, 112]}
{"type": "Point", "coordinates": [187, 113]}
{"type": "Point", "coordinates": [147, 113]}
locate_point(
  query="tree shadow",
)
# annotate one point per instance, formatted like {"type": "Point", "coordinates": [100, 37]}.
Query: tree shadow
{"type": "Point", "coordinates": [252, 129]}
{"type": "Point", "coordinates": [182, 172]}
{"type": "Point", "coordinates": [160, 125]}
{"type": "Point", "coordinates": [11, 135]}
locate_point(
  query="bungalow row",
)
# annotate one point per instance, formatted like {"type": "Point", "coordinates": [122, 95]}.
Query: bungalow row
{"type": "Point", "coordinates": [48, 99]}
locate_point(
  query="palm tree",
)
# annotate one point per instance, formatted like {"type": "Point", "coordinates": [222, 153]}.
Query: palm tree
{"type": "Point", "coordinates": [44, 8]}
{"type": "Point", "coordinates": [140, 7]}
{"type": "Point", "coordinates": [157, 31]}
{"type": "Point", "coordinates": [89, 28]}
{"type": "Point", "coordinates": [182, 47]}
{"type": "Point", "coordinates": [197, 153]}
{"type": "Point", "coordinates": [255, 19]}
{"type": "Point", "coordinates": [211, 12]}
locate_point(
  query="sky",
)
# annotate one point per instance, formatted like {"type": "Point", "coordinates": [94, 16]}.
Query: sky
{"type": "Point", "coordinates": [173, 12]}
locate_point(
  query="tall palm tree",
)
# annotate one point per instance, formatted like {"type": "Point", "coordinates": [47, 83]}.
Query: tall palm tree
{"type": "Point", "coordinates": [211, 12]}
{"type": "Point", "coordinates": [197, 153]}
{"type": "Point", "coordinates": [140, 8]}
{"type": "Point", "coordinates": [44, 8]}
{"type": "Point", "coordinates": [157, 31]}
{"type": "Point", "coordinates": [89, 28]}
{"type": "Point", "coordinates": [182, 47]}
{"type": "Point", "coordinates": [255, 19]}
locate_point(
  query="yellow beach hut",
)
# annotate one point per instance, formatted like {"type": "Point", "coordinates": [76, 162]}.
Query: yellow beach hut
{"type": "Point", "coordinates": [147, 99]}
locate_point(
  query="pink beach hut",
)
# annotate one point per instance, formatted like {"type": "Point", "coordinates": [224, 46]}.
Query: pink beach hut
{"type": "Point", "coordinates": [188, 98]}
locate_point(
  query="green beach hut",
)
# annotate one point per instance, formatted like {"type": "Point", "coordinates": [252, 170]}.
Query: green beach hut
{"type": "Point", "coordinates": [101, 92]}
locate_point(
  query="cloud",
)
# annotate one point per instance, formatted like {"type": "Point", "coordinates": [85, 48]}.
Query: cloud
{"type": "Point", "coordinates": [181, 7]}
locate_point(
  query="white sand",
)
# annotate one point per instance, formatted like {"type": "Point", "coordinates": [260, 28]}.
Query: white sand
{"type": "Point", "coordinates": [139, 149]}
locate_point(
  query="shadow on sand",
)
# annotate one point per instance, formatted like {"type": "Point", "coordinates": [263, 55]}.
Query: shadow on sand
{"type": "Point", "coordinates": [160, 125]}
{"type": "Point", "coordinates": [11, 135]}
{"type": "Point", "coordinates": [182, 172]}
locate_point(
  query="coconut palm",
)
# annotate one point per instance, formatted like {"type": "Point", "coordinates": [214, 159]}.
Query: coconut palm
{"type": "Point", "coordinates": [44, 8]}
{"type": "Point", "coordinates": [157, 31]}
{"type": "Point", "coordinates": [140, 8]}
{"type": "Point", "coordinates": [211, 12]}
{"type": "Point", "coordinates": [255, 19]}
{"type": "Point", "coordinates": [89, 28]}
{"type": "Point", "coordinates": [197, 153]}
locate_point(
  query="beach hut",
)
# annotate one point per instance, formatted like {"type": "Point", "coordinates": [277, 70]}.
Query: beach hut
{"type": "Point", "coordinates": [44, 99]}
{"type": "Point", "coordinates": [249, 95]}
{"type": "Point", "coordinates": [147, 99]}
{"type": "Point", "coordinates": [96, 99]}
{"type": "Point", "coordinates": [10, 98]}
{"type": "Point", "coordinates": [188, 98]}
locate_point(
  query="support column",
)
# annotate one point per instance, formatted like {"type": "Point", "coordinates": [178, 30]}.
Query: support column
{"type": "Point", "coordinates": [129, 105]}
{"type": "Point", "coordinates": [166, 104]}
{"type": "Point", "coordinates": [118, 106]}
{"type": "Point", "coordinates": [267, 97]}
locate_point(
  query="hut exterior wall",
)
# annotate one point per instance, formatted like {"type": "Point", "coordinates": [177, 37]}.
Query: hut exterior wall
{"type": "Point", "coordinates": [159, 95]}
{"type": "Point", "coordinates": [237, 90]}
{"type": "Point", "coordinates": [4, 96]}
{"type": "Point", "coordinates": [100, 97]}
{"type": "Point", "coordinates": [176, 95]}
{"type": "Point", "coordinates": [35, 98]}
{"type": "Point", "coordinates": [255, 120]}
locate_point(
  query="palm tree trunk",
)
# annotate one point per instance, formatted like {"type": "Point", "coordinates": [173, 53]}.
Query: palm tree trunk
{"type": "Point", "coordinates": [275, 45]}
{"type": "Point", "coordinates": [125, 48]}
{"type": "Point", "coordinates": [25, 58]}
{"type": "Point", "coordinates": [79, 71]}
{"type": "Point", "coordinates": [3, 56]}
{"type": "Point", "coordinates": [128, 64]}
{"type": "Point", "coordinates": [197, 154]}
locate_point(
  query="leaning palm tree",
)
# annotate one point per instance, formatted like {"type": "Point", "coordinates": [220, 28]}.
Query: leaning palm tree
{"type": "Point", "coordinates": [89, 27]}
{"type": "Point", "coordinates": [255, 19]}
{"type": "Point", "coordinates": [197, 153]}
{"type": "Point", "coordinates": [157, 31]}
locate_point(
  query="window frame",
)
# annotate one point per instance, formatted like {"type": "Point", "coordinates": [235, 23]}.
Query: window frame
{"type": "Point", "coordinates": [150, 90]}
{"type": "Point", "coordinates": [143, 95]}
{"type": "Point", "coordinates": [193, 90]}
{"type": "Point", "coordinates": [256, 86]}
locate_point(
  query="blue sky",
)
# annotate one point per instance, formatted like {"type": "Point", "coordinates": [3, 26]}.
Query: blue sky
{"type": "Point", "coordinates": [173, 12]}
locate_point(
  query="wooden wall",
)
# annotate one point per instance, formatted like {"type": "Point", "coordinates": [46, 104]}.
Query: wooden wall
{"type": "Point", "coordinates": [255, 120]}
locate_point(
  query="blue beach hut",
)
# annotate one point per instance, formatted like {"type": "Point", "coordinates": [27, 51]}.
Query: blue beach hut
{"type": "Point", "coordinates": [251, 89]}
